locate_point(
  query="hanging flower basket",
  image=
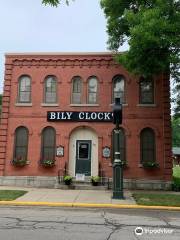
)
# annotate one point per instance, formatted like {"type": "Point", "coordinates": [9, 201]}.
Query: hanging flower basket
{"type": "Point", "coordinates": [19, 161]}
{"type": "Point", "coordinates": [48, 163]}
{"type": "Point", "coordinates": [150, 165]}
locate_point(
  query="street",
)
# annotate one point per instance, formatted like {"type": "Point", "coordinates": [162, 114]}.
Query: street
{"type": "Point", "coordinates": [43, 223]}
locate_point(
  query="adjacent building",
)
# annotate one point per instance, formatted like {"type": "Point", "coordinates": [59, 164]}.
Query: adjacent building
{"type": "Point", "coordinates": [56, 117]}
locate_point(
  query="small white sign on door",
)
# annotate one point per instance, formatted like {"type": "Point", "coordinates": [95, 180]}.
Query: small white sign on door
{"type": "Point", "coordinates": [80, 177]}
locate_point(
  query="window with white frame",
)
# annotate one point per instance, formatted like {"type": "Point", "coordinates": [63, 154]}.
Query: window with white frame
{"type": "Point", "coordinates": [92, 90]}
{"type": "Point", "coordinates": [50, 90]}
{"type": "Point", "coordinates": [76, 97]}
{"type": "Point", "coordinates": [24, 89]}
{"type": "Point", "coordinates": [118, 88]}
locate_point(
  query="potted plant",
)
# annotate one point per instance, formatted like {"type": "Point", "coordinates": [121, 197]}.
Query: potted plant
{"type": "Point", "coordinates": [95, 180]}
{"type": "Point", "coordinates": [67, 179]}
{"type": "Point", "coordinates": [19, 161]}
{"type": "Point", "coordinates": [48, 162]}
{"type": "Point", "coordinates": [150, 165]}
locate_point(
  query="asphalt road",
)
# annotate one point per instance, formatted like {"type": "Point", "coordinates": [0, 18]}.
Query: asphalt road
{"type": "Point", "coordinates": [42, 223]}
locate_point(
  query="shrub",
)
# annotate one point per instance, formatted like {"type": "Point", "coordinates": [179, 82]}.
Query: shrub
{"type": "Point", "coordinates": [176, 178]}
{"type": "Point", "coordinates": [67, 179]}
{"type": "Point", "coordinates": [95, 180]}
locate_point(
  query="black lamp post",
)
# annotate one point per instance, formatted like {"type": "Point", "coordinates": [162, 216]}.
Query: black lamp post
{"type": "Point", "coordinates": [117, 164]}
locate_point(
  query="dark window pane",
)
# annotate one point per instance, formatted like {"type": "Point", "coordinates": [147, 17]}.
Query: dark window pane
{"type": "Point", "coordinates": [83, 150]}
{"type": "Point", "coordinates": [48, 144]}
{"type": "Point", "coordinates": [147, 145]}
{"type": "Point", "coordinates": [21, 143]}
{"type": "Point", "coordinates": [146, 91]}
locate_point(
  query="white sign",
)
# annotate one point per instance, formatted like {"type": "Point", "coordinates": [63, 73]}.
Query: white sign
{"type": "Point", "coordinates": [80, 177]}
{"type": "Point", "coordinates": [60, 151]}
{"type": "Point", "coordinates": [106, 152]}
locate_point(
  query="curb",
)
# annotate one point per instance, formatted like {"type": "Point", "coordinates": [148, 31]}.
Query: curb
{"type": "Point", "coordinates": [87, 205]}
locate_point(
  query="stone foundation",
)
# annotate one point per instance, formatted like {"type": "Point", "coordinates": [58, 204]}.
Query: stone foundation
{"type": "Point", "coordinates": [52, 182]}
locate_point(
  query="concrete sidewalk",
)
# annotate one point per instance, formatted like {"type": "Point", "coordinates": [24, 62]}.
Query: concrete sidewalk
{"type": "Point", "coordinates": [70, 196]}
{"type": "Point", "coordinates": [76, 198]}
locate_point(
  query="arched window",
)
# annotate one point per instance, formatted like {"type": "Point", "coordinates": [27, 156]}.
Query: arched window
{"type": "Point", "coordinates": [50, 90]}
{"type": "Point", "coordinates": [92, 90]}
{"type": "Point", "coordinates": [24, 90]}
{"type": "Point", "coordinates": [48, 144]}
{"type": "Point", "coordinates": [122, 145]}
{"type": "Point", "coordinates": [148, 149]}
{"type": "Point", "coordinates": [146, 91]}
{"type": "Point", "coordinates": [119, 88]}
{"type": "Point", "coordinates": [76, 90]}
{"type": "Point", "coordinates": [21, 143]}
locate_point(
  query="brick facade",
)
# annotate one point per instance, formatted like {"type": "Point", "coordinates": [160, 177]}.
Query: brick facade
{"type": "Point", "coordinates": [33, 116]}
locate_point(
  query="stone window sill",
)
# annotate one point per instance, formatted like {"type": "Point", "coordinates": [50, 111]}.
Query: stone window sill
{"type": "Point", "coordinates": [49, 105]}
{"type": "Point", "coordinates": [146, 105]}
{"type": "Point", "coordinates": [23, 104]}
{"type": "Point", "coordinates": [84, 105]}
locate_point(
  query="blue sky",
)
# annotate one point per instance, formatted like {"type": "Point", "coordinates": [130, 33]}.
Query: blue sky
{"type": "Point", "coordinates": [29, 26]}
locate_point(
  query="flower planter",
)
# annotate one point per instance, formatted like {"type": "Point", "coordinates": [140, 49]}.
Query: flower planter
{"type": "Point", "coordinates": [19, 163]}
{"type": "Point", "coordinates": [48, 163]}
{"type": "Point", "coordinates": [95, 183]}
{"type": "Point", "coordinates": [150, 165]}
{"type": "Point", "coordinates": [95, 180]}
{"type": "Point", "coordinates": [67, 180]}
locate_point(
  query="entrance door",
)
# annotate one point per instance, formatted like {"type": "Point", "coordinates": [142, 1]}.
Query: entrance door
{"type": "Point", "coordinates": [83, 157]}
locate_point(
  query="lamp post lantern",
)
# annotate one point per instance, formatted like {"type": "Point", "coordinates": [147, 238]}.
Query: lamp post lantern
{"type": "Point", "coordinates": [117, 163]}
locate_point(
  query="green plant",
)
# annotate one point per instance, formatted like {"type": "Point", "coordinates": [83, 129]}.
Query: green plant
{"type": "Point", "coordinates": [176, 178]}
{"type": "Point", "coordinates": [95, 180]}
{"type": "Point", "coordinates": [19, 161]}
{"type": "Point", "coordinates": [48, 163]}
{"type": "Point", "coordinates": [67, 179]}
{"type": "Point", "coordinates": [150, 164]}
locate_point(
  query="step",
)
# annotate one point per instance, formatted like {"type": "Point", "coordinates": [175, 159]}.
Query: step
{"type": "Point", "coordinates": [81, 187]}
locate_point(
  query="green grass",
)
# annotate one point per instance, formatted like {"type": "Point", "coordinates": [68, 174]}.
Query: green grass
{"type": "Point", "coordinates": [9, 195]}
{"type": "Point", "coordinates": [155, 199]}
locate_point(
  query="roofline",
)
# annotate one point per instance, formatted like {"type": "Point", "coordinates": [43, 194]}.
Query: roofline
{"type": "Point", "coordinates": [60, 53]}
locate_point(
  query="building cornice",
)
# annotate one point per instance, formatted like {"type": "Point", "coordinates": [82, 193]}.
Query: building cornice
{"type": "Point", "coordinates": [83, 59]}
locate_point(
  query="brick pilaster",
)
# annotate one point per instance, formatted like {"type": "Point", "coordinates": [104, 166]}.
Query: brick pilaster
{"type": "Point", "coordinates": [5, 115]}
{"type": "Point", "coordinates": [167, 128]}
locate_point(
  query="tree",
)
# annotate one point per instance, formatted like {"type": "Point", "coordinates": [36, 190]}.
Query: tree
{"type": "Point", "coordinates": [54, 3]}
{"type": "Point", "coordinates": [176, 132]}
{"type": "Point", "coordinates": [152, 29]}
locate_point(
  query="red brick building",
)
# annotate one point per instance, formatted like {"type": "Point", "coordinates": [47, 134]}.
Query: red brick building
{"type": "Point", "coordinates": [78, 91]}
